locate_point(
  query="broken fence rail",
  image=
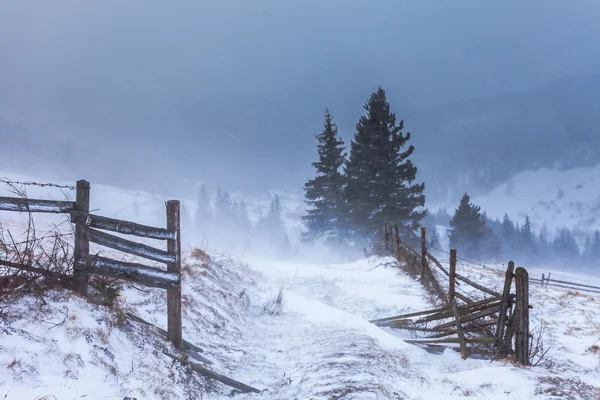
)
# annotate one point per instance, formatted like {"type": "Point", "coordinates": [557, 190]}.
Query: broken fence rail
{"type": "Point", "coordinates": [547, 281]}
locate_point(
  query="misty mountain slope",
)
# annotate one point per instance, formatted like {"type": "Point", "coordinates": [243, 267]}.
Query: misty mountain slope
{"type": "Point", "coordinates": [475, 145]}
{"type": "Point", "coordinates": [553, 199]}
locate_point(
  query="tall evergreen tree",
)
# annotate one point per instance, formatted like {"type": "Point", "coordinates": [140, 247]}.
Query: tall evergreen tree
{"type": "Point", "coordinates": [203, 215]}
{"type": "Point", "coordinates": [224, 211]}
{"type": "Point", "coordinates": [271, 227]}
{"type": "Point", "coordinates": [380, 176]}
{"type": "Point", "coordinates": [528, 239]}
{"type": "Point", "coordinates": [468, 231]}
{"type": "Point", "coordinates": [594, 251]}
{"type": "Point", "coordinates": [324, 194]}
{"type": "Point", "coordinates": [564, 246]}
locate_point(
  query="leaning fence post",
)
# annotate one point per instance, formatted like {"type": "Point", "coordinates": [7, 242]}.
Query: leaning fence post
{"type": "Point", "coordinates": [504, 305]}
{"type": "Point", "coordinates": [543, 277]}
{"type": "Point", "coordinates": [386, 237]}
{"type": "Point", "coordinates": [548, 278]}
{"type": "Point", "coordinates": [423, 251]}
{"type": "Point", "coordinates": [174, 334]}
{"type": "Point", "coordinates": [522, 316]}
{"type": "Point", "coordinates": [397, 242]}
{"type": "Point", "coordinates": [452, 275]}
{"type": "Point", "coordinates": [82, 243]}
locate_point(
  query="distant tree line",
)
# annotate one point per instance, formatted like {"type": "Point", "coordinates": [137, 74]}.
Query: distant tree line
{"type": "Point", "coordinates": [480, 238]}
{"type": "Point", "coordinates": [353, 195]}
{"type": "Point", "coordinates": [228, 222]}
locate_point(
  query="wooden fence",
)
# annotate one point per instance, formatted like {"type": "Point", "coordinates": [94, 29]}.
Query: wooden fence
{"type": "Point", "coordinates": [89, 228]}
{"type": "Point", "coordinates": [489, 325]}
{"type": "Point", "coordinates": [547, 281]}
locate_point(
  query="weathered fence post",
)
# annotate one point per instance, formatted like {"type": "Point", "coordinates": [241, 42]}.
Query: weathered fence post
{"type": "Point", "coordinates": [543, 277]}
{"type": "Point", "coordinates": [504, 306]}
{"type": "Point", "coordinates": [452, 287]}
{"type": "Point", "coordinates": [174, 333]}
{"type": "Point", "coordinates": [386, 237]}
{"type": "Point", "coordinates": [423, 252]}
{"type": "Point", "coordinates": [522, 316]}
{"type": "Point", "coordinates": [397, 241]}
{"type": "Point", "coordinates": [548, 278]}
{"type": "Point", "coordinates": [82, 243]}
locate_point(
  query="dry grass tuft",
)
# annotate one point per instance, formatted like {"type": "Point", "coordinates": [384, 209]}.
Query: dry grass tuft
{"type": "Point", "coordinates": [274, 306]}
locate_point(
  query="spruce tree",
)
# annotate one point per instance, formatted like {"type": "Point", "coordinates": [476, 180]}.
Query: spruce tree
{"type": "Point", "coordinates": [595, 247]}
{"type": "Point", "coordinates": [272, 229]}
{"type": "Point", "coordinates": [468, 231]}
{"type": "Point", "coordinates": [564, 246]}
{"type": "Point", "coordinates": [528, 240]}
{"type": "Point", "coordinates": [203, 216]}
{"type": "Point", "coordinates": [379, 174]}
{"type": "Point", "coordinates": [324, 194]}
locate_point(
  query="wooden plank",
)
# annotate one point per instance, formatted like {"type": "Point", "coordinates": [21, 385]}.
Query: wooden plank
{"type": "Point", "coordinates": [522, 318]}
{"type": "Point", "coordinates": [463, 297]}
{"type": "Point", "coordinates": [504, 305]}
{"type": "Point", "coordinates": [119, 226]}
{"type": "Point", "coordinates": [187, 347]}
{"type": "Point", "coordinates": [466, 309]}
{"type": "Point", "coordinates": [438, 264]}
{"type": "Point", "coordinates": [470, 317]}
{"type": "Point", "coordinates": [459, 330]}
{"type": "Point", "coordinates": [477, 286]}
{"type": "Point", "coordinates": [471, 327]}
{"type": "Point", "coordinates": [424, 265]}
{"type": "Point", "coordinates": [449, 340]}
{"type": "Point", "coordinates": [33, 205]}
{"type": "Point", "coordinates": [133, 272]}
{"type": "Point", "coordinates": [571, 283]}
{"type": "Point", "coordinates": [129, 247]}
{"type": "Point", "coordinates": [81, 250]}
{"type": "Point", "coordinates": [402, 316]}
{"type": "Point", "coordinates": [573, 288]}
{"type": "Point", "coordinates": [216, 376]}
{"type": "Point", "coordinates": [174, 324]}
{"type": "Point", "coordinates": [34, 270]}
{"type": "Point", "coordinates": [452, 275]}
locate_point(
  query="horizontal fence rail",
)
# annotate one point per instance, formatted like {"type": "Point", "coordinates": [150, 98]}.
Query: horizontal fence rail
{"type": "Point", "coordinates": [127, 246]}
{"type": "Point", "coordinates": [545, 282]}
{"type": "Point", "coordinates": [138, 273]}
{"type": "Point", "coordinates": [33, 205]}
{"type": "Point", "coordinates": [124, 227]}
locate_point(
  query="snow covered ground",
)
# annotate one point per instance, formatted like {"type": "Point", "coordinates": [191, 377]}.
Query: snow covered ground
{"type": "Point", "coordinates": [319, 346]}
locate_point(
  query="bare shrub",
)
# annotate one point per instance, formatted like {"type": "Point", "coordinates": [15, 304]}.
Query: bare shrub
{"type": "Point", "coordinates": [537, 350]}
{"type": "Point", "coordinates": [274, 306]}
{"type": "Point", "coordinates": [35, 261]}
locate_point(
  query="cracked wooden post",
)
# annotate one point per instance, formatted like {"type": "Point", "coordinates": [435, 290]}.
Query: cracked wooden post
{"type": "Point", "coordinates": [386, 237]}
{"type": "Point", "coordinates": [174, 334]}
{"type": "Point", "coordinates": [82, 242]}
{"type": "Point", "coordinates": [397, 242]}
{"type": "Point", "coordinates": [423, 252]}
{"type": "Point", "coordinates": [452, 286]}
{"type": "Point", "coordinates": [500, 351]}
{"type": "Point", "coordinates": [522, 316]}
{"type": "Point", "coordinates": [459, 330]}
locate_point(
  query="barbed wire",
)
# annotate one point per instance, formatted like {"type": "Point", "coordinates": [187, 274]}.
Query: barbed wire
{"type": "Point", "coordinates": [31, 183]}
{"type": "Point", "coordinates": [479, 264]}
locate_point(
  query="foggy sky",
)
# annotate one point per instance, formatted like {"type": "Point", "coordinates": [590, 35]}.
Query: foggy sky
{"type": "Point", "coordinates": [233, 91]}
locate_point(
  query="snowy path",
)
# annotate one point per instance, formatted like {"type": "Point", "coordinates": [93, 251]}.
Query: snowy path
{"type": "Point", "coordinates": [322, 346]}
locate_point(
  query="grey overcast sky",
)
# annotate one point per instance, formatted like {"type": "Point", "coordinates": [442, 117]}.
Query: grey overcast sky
{"type": "Point", "coordinates": [234, 91]}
